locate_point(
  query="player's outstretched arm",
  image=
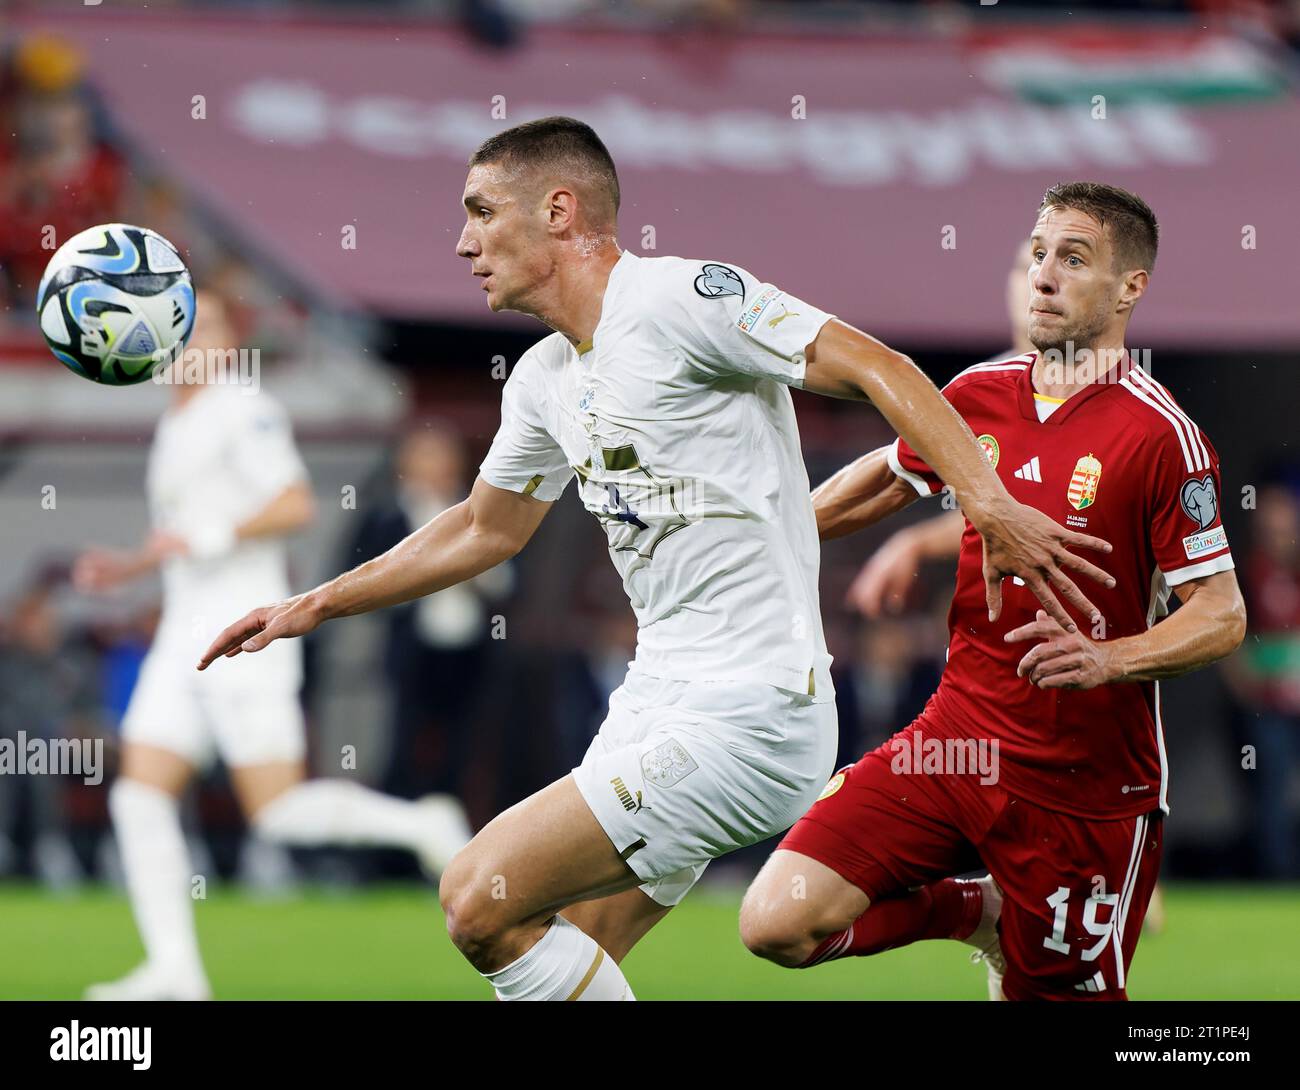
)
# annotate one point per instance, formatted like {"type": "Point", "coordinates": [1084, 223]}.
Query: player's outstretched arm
{"type": "Point", "coordinates": [291, 510]}
{"type": "Point", "coordinates": [859, 495]}
{"type": "Point", "coordinates": [1210, 625]}
{"type": "Point", "coordinates": [491, 526]}
{"type": "Point", "coordinates": [1018, 540]}
{"type": "Point", "coordinates": [885, 578]}
{"type": "Point", "coordinates": [99, 570]}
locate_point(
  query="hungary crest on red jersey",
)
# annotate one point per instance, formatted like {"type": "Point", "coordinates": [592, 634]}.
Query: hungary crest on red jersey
{"type": "Point", "coordinates": [1083, 483]}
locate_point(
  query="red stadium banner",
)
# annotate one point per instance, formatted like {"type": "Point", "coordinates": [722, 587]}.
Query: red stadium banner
{"type": "Point", "coordinates": [886, 180]}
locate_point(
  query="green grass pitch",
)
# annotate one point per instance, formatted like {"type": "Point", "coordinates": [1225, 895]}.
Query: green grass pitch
{"type": "Point", "coordinates": [1219, 943]}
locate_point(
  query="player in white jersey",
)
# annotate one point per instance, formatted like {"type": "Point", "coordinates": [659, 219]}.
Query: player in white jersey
{"type": "Point", "coordinates": [225, 486]}
{"type": "Point", "coordinates": [663, 390]}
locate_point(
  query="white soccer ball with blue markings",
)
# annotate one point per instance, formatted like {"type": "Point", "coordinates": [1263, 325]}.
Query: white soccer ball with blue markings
{"type": "Point", "coordinates": [116, 304]}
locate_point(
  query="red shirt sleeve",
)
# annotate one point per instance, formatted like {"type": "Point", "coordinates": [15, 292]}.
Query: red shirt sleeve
{"type": "Point", "coordinates": [909, 465]}
{"type": "Point", "coordinates": [1186, 498]}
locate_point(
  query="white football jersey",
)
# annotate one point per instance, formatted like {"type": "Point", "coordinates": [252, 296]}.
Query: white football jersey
{"type": "Point", "coordinates": [215, 462]}
{"type": "Point", "coordinates": [678, 424]}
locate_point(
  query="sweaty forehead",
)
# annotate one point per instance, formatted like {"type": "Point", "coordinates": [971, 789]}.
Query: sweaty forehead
{"type": "Point", "coordinates": [1068, 221]}
{"type": "Point", "coordinates": [490, 182]}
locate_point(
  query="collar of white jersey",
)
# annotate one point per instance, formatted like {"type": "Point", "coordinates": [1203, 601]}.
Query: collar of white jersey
{"type": "Point", "coordinates": [624, 259]}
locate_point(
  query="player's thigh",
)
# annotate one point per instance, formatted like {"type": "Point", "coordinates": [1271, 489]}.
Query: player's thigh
{"type": "Point", "coordinates": [1074, 896]}
{"type": "Point", "coordinates": [155, 767]}
{"type": "Point", "coordinates": [884, 830]}
{"type": "Point", "coordinates": [542, 854]}
{"type": "Point", "coordinates": [796, 899]}
{"type": "Point", "coordinates": [257, 785]}
{"type": "Point", "coordinates": [619, 921]}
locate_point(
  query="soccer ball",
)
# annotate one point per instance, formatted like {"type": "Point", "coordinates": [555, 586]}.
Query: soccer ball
{"type": "Point", "coordinates": [116, 304]}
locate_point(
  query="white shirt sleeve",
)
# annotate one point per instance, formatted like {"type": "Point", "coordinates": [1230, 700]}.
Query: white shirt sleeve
{"type": "Point", "coordinates": [730, 322]}
{"type": "Point", "coordinates": [524, 457]}
{"type": "Point", "coordinates": [264, 453]}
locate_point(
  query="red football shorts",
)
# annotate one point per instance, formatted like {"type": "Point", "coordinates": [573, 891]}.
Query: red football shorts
{"type": "Point", "coordinates": [1075, 890]}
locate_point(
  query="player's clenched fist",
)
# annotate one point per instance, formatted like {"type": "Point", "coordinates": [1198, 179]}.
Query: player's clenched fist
{"type": "Point", "coordinates": [293, 617]}
{"type": "Point", "coordinates": [1064, 660]}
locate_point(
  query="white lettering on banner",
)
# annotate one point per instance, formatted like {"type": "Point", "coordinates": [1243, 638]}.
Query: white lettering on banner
{"type": "Point", "coordinates": [943, 147]}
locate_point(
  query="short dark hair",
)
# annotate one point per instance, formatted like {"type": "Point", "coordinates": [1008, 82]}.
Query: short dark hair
{"type": "Point", "coordinates": [1134, 232]}
{"type": "Point", "coordinates": [554, 143]}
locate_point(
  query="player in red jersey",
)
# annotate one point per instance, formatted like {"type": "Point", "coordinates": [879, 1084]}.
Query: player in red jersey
{"type": "Point", "coordinates": [1044, 763]}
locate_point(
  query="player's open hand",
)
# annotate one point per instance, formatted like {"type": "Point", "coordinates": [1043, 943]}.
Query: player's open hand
{"type": "Point", "coordinates": [1064, 660]}
{"type": "Point", "coordinates": [1021, 541]}
{"type": "Point", "coordinates": [253, 631]}
{"type": "Point", "coordinates": [100, 570]}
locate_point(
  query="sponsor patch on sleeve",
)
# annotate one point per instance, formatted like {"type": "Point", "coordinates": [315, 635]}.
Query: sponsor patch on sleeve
{"type": "Point", "coordinates": [1207, 541]}
{"type": "Point", "coordinates": [751, 314]}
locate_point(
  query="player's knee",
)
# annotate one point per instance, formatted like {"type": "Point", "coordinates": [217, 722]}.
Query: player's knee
{"type": "Point", "coordinates": [776, 932]}
{"type": "Point", "coordinates": [130, 801]}
{"type": "Point", "coordinates": [269, 821]}
{"type": "Point", "coordinates": [475, 919]}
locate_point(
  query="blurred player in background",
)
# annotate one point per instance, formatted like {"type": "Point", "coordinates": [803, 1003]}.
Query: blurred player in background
{"type": "Point", "coordinates": [226, 486]}
{"type": "Point", "coordinates": [1068, 814]}
{"type": "Point", "coordinates": [663, 390]}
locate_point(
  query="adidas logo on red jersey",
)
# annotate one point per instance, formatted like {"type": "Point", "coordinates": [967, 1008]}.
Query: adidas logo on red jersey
{"type": "Point", "coordinates": [1030, 471]}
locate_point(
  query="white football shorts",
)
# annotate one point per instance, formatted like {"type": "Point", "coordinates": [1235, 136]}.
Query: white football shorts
{"type": "Point", "coordinates": [682, 772]}
{"type": "Point", "coordinates": [246, 716]}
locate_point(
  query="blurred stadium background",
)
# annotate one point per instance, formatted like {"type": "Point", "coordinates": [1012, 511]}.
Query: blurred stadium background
{"type": "Point", "coordinates": [254, 134]}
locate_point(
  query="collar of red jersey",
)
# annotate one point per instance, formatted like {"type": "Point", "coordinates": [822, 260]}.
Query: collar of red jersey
{"type": "Point", "coordinates": [1072, 404]}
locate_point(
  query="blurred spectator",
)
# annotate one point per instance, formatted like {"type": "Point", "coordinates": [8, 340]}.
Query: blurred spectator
{"type": "Point", "coordinates": [49, 692]}
{"type": "Point", "coordinates": [589, 676]}
{"type": "Point", "coordinates": [886, 685]}
{"type": "Point", "coordinates": [437, 646]}
{"type": "Point", "coordinates": [56, 176]}
{"type": "Point", "coordinates": [123, 647]}
{"type": "Point", "coordinates": [1265, 676]}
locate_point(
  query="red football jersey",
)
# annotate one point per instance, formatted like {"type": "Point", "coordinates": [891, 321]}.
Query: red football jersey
{"type": "Point", "coordinates": [1118, 460]}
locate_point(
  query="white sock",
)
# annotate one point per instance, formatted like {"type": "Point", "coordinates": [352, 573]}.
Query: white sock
{"type": "Point", "coordinates": [339, 812]}
{"type": "Point", "coordinates": [157, 865]}
{"type": "Point", "coordinates": [565, 963]}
